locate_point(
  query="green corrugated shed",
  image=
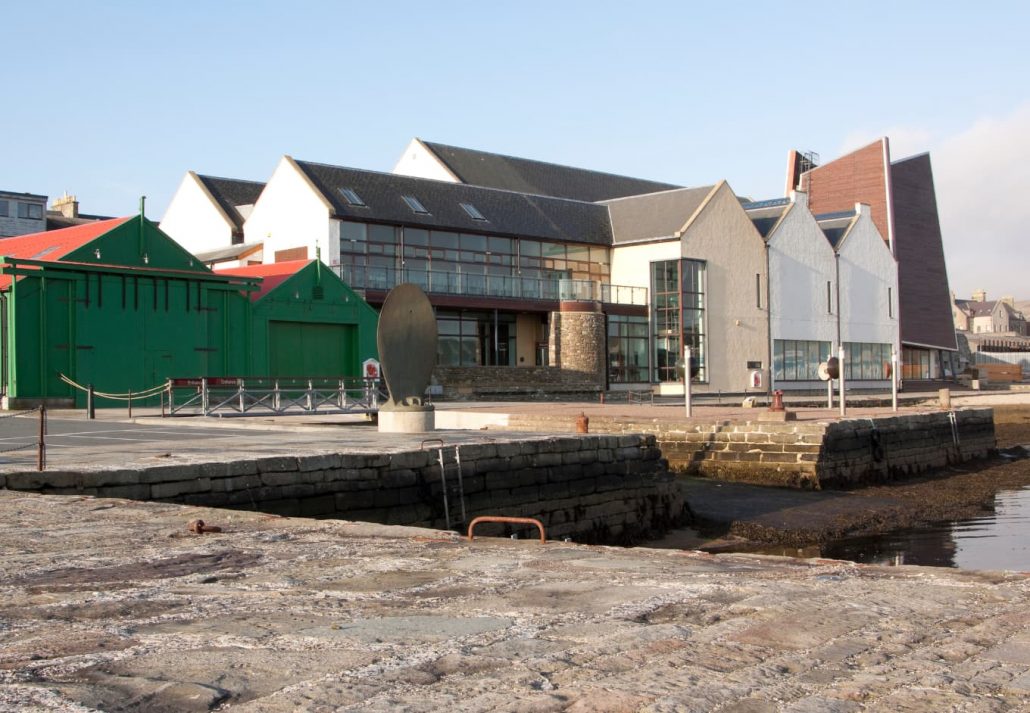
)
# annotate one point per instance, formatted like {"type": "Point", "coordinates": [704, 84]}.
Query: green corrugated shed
{"type": "Point", "coordinates": [307, 322]}
{"type": "Point", "coordinates": [120, 305]}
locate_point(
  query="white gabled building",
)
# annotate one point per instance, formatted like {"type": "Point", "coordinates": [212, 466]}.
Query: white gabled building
{"type": "Point", "coordinates": [206, 216]}
{"type": "Point", "coordinates": [868, 299]}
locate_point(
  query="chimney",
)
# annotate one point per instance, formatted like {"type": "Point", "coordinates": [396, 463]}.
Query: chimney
{"type": "Point", "coordinates": [799, 197]}
{"type": "Point", "coordinates": [863, 209]}
{"type": "Point", "coordinates": [66, 205]}
{"type": "Point", "coordinates": [980, 296]}
{"type": "Point", "coordinates": [1009, 300]}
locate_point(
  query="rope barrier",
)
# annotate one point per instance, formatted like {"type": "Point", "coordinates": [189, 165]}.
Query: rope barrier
{"type": "Point", "coordinates": [145, 393]}
{"type": "Point", "coordinates": [20, 413]}
{"type": "Point", "coordinates": [34, 444]}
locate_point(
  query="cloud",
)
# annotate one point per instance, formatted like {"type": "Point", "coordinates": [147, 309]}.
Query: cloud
{"type": "Point", "coordinates": [982, 177]}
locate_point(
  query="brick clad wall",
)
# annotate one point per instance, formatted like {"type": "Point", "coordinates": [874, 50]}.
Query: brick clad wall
{"type": "Point", "coordinates": [807, 455]}
{"type": "Point", "coordinates": [859, 177]}
{"type": "Point", "coordinates": [609, 489]}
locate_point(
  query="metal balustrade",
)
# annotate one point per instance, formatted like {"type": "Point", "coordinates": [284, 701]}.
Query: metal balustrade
{"type": "Point", "coordinates": [482, 285]}
{"type": "Point", "coordinates": [267, 396]}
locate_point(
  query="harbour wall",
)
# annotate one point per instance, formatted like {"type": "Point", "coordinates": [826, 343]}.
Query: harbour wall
{"type": "Point", "coordinates": [610, 489]}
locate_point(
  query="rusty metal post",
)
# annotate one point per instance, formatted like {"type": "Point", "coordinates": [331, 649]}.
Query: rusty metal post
{"type": "Point", "coordinates": [130, 403]}
{"type": "Point", "coordinates": [91, 403]}
{"type": "Point", "coordinates": [41, 456]}
{"type": "Point", "coordinates": [582, 423]}
{"type": "Point", "coordinates": [507, 520]}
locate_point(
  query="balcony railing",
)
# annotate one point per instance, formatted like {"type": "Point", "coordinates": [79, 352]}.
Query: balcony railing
{"type": "Point", "coordinates": [480, 285]}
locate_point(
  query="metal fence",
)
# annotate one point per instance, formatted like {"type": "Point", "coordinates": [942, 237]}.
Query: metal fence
{"type": "Point", "coordinates": [1020, 358]}
{"type": "Point", "coordinates": [268, 396]}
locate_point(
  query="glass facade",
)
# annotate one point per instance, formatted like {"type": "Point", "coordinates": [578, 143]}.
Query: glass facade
{"type": "Point", "coordinates": [678, 309]}
{"type": "Point", "coordinates": [915, 363]}
{"type": "Point", "coordinates": [473, 338]}
{"type": "Point", "coordinates": [627, 349]}
{"type": "Point", "coordinates": [865, 361]}
{"type": "Point", "coordinates": [380, 256]}
{"type": "Point", "coordinates": [798, 360]}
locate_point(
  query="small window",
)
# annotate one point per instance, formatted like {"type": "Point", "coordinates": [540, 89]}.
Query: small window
{"type": "Point", "coordinates": [351, 196]}
{"type": "Point", "coordinates": [758, 290]}
{"type": "Point", "coordinates": [33, 211]}
{"type": "Point", "coordinates": [829, 298]}
{"type": "Point", "coordinates": [890, 303]}
{"type": "Point", "coordinates": [473, 212]}
{"type": "Point", "coordinates": [415, 205]}
{"type": "Point", "coordinates": [3, 209]}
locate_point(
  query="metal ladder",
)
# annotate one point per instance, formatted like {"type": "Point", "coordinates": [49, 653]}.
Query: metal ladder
{"type": "Point", "coordinates": [455, 487]}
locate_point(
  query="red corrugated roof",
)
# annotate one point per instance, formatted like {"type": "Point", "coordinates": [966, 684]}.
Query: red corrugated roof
{"type": "Point", "coordinates": [272, 274]}
{"type": "Point", "coordinates": [52, 245]}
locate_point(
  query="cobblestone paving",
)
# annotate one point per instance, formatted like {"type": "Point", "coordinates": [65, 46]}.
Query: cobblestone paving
{"type": "Point", "coordinates": [113, 605]}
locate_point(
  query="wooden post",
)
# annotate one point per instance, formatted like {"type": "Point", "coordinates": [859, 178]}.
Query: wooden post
{"type": "Point", "coordinates": [41, 455]}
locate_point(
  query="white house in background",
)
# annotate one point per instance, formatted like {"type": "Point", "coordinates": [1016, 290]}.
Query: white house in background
{"type": "Point", "coordinates": [704, 263]}
{"type": "Point", "coordinates": [803, 318]}
{"type": "Point", "coordinates": [293, 218]}
{"type": "Point", "coordinates": [206, 216]}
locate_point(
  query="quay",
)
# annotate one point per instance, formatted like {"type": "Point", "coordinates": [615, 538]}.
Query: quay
{"type": "Point", "coordinates": [112, 604]}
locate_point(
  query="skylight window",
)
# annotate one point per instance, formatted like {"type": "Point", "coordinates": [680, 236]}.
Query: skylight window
{"type": "Point", "coordinates": [415, 205]}
{"type": "Point", "coordinates": [473, 212]}
{"type": "Point", "coordinates": [351, 196]}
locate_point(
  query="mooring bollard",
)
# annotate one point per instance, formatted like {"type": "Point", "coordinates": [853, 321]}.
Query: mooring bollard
{"type": "Point", "coordinates": [583, 423]}
{"type": "Point", "coordinates": [944, 395]}
{"type": "Point", "coordinates": [91, 411]}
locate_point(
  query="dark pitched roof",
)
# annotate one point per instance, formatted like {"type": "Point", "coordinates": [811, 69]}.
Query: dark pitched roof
{"type": "Point", "coordinates": [656, 215]}
{"type": "Point", "coordinates": [55, 220]}
{"type": "Point", "coordinates": [231, 193]}
{"type": "Point", "coordinates": [480, 168]}
{"type": "Point", "coordinates": [506, 212]}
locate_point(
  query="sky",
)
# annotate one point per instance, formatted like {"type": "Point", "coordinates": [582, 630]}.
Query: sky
{"type": "Point", "coordinates": [110, 101]}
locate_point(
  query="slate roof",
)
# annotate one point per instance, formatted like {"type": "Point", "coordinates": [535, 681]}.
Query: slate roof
{"type": "Point", "coordinates": [481, 168]}
{"type": "Point", "coordinates": [55, 220]}
{"type": "Point", "coordinates": [232, 192]}
{"type": "Point", "coordinates": [507, 213]}
{"type": "Point", "coordinates": [656, 215]}
{"type": "Point", "coordinates": [272, 274]}
{"type": "Point", "coordinates": [52, 245]}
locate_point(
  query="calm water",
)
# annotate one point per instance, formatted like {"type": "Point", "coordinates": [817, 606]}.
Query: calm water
{"type": "Point", "coordinates": [997, 540]}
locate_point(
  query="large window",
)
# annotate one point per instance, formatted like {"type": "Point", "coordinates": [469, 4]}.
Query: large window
{"type": "Point", "coordinates": [678, 308]}
{"type": "Point", "coordinates": [627, 349]}
{"type": "Point", "coordinates": [865, 361]}
{"type": "Point", "coordinates": [798, 360]}
{"type": "Point", "coordinates": [32, 211]}
{"type": "Point", "coordinates": [468, 338]}
{"type": "Point", "coordinates": [464, 263]}
{"type": "Point", "coordinates": [915, 363]}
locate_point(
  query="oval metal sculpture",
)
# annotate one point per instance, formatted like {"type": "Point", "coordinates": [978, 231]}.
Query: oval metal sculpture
{"type": "Point", "coordinates": [407, 346]}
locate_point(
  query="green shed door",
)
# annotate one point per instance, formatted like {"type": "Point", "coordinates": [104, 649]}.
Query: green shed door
{"type": "Point", "coordinates": [312, 349]}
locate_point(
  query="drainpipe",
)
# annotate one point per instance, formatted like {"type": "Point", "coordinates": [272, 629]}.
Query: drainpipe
{"type": "Point", "coordinates": [836, 265]}
{"type": "Point", "coordinates": [768, 320]}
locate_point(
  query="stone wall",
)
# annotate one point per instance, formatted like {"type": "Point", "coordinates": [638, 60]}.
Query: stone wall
{"type": "Point", "coordinates": [817, 454]}
{"type": "Point", "coordinates": [506, 382]}
{"type": "Point", "coordinates": [607, 489]}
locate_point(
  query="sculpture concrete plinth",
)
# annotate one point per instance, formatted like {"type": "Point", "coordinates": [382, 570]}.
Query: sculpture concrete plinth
{"type": "Point", "coordinates": [407, 420]}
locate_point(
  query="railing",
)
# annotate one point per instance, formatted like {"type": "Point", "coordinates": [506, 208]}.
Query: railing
{"type": "Point", "coordinates": [481, 285]}
{"type": "Point", "coordinates": [265, 396]}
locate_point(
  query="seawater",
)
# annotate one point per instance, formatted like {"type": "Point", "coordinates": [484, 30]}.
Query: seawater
{"type": "Point", "coordinates": [998, 539]}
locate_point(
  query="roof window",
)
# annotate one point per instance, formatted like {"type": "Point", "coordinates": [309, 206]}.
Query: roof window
{"type": "Point", "coordinates": [473, 212]}
{"type": "Point", "coordinates": [415, 205]}
{"type": "Point", "coordinates": [351, 196]}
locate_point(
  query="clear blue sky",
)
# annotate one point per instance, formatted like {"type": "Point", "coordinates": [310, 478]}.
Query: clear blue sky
{"type": "Point", "coordinates": [114, 100]}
